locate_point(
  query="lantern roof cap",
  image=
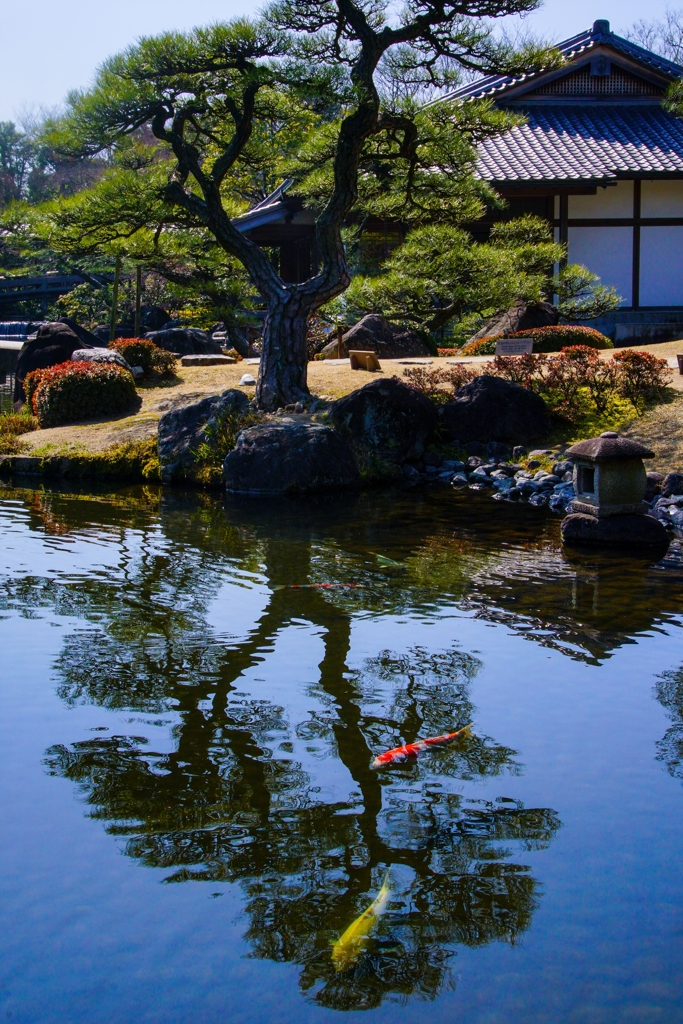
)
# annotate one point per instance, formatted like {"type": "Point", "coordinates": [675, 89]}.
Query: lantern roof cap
{"type": "Point", "coordinates": [609, 447]}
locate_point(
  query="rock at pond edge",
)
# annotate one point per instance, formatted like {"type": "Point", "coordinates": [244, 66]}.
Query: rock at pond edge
{"type": "Point", "coordinates": [290, 458]}
{"type": "Point", "coordinates": [630, 531]}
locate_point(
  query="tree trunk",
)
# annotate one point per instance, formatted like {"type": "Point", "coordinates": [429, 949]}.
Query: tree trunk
{"type": "Point", "coordinates": [282, 373]}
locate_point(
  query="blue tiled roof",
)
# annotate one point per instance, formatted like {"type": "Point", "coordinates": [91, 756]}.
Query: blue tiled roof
{"type": "Point", "coordinates": [492, 86]}
{"type": "Point", "coordinates": [567, 143]}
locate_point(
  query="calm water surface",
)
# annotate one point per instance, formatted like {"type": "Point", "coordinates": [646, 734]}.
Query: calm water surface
{"type": "Point", "coordinates": [189, 818]}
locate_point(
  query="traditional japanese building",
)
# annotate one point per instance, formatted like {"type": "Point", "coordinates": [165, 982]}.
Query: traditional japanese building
{"type": "Point", "coordinates": [598, 156]}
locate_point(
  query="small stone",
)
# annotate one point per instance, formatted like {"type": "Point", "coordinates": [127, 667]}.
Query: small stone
{"type": "Point", "coordinates": [453, 465]}
{"type": "Point", "coordinates": [473, 462]}
{"type": "Point", "coordinates": [514, 494]}
{"type": "Point", "coordinates": [410, 474]}
{"type": "Point", "coordinates": [137, 372]}
{"type": "Point", "coordinates": [459, 480]}
{"type": "Point", "coordinates": [609, 433]}
{"type": "Point", "coordinates": [299, 407]}
{"type": "Point", "coordinates": [533, 463]}
{"type": "Point", "coordinates": [247, 380]}
{"type": "Point", "coordinates": [519, 452]}
{"type": "Point", "coordinates": [503, 484]}
{"type": "Point", "coordinates": [538, 499]}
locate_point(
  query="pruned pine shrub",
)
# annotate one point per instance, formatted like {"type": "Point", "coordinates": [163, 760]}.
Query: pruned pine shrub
{"type": "Point", "coordinates": [76, 391]}
{"type": "Point", "coordinates": [145, 354]}
{"type": "Point", "coordinates": [545, 339]}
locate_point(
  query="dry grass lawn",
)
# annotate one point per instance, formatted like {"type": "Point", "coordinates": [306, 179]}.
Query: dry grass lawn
{"type": "Point", "coordinates": [662, 428]}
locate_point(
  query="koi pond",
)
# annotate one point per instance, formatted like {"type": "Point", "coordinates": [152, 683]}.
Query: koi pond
{"type": "Point", "coordinates": [191, 823]}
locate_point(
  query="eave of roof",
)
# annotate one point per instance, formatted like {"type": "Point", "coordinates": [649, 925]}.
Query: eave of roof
{"type": "Point", "coordinates": [493, 86]}
{"type": "Point", "coordinates": [589, 145]}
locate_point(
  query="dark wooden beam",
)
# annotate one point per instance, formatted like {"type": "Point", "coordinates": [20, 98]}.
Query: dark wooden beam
{"type": "Point", "coordinates": [635, 287]}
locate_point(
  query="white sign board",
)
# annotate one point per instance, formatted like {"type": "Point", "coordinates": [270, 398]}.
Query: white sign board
{"type": "Point", "coordinates": [514, 346]}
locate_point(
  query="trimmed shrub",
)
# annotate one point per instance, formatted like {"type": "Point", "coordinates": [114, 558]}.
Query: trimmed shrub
{"type": "Point", "coordinates": [77, 391]}
{"type": "Point", "coordinates": [545, 339]}
{"type": "Point", "coordinates": [12, 426]}
{"type": "Point", "coordinates": [642, 377]}
{"type": "Point", "coordinates": [554, 339]}
{"type": "Point", "coordinates": [147, 355]}
{"type": "Point", "coordinates": [571, 382]}
{"type": "Point", "coordinates": [483, 347]}
{"type": "Point", "coordinates": [429, 382]}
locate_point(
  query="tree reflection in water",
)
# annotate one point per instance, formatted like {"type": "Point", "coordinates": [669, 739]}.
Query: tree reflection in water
{"type": "Point", "coordinates": [669, 692]}
{"type": "Point", "coordinates": [230, 802]}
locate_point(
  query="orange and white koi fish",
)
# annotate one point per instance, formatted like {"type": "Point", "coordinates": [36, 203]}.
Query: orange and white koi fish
{"type": "Point", "coordinates": [351, 944]}
{"type": "Point", "coordinates": [316, 586]}
{"type": "Point", "coordinates": [413, 749]}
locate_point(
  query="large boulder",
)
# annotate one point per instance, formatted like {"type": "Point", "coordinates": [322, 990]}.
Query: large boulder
{"type": "Point", "coordinates": [53, 344]}
{"type": "Point", "coordinates": [153, 318]}
{"type": "Point", "coordinates": [492, 409]}
{"type": "Point", "coordinates": [87, 338]}
{"type": "Point", "coordinates": [290, 458]}
{"type": "Point", "coordinates": [628, 532]}
{"type": "Point", "coordinates": [181, 431]}
{"type": "Point", "coordinates": [101, 332]}
{"type": "Point", "coordinates": [375, 334]}
{"type": "Point", "coordinates": [186, 341]}
{"type": "Point", "coordinates": [99, 355]}
{"type": "Point", "coordinates": [672, 484]}
{"type": "Point", "coordinates": [520, 317]}
{"type": "Point", "coordinates": [386, 420]}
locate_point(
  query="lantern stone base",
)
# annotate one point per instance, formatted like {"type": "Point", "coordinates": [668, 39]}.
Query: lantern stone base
{"type": "Point", "coordinates": [630, 531]}
{"type": "Point", "coordinates": [605, 511]}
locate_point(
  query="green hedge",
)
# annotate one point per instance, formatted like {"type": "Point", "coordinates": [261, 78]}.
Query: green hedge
{"type": "Point", "coordinates": [545, 339]}
{"type": "Point", "coordinates": [78, 391]}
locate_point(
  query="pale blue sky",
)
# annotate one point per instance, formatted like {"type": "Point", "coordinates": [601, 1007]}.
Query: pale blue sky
{"type": "Point", "coordinates": [51, 46]}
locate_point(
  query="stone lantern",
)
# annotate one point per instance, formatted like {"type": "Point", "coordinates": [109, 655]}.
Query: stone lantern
{"type": "Point", "coordinates": [610, 483]}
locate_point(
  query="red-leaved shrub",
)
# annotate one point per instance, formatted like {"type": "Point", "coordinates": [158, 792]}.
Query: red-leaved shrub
{"type": "Point", "coordinates": [78, 391]}
{"type": "Point", "coordinates": [145, 354]}
{"type": "Point", "coordinates": [642, 377]}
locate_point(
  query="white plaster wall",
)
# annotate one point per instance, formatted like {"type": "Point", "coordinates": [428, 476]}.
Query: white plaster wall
{"type": "Point", "coordinates": [612, 201]}
{"type": "Point", "coordinates": [661, 199]}
{"type": "Point", "coordinates": [608, 252]}
{"type": "Point", "coordinates": [661, 266]}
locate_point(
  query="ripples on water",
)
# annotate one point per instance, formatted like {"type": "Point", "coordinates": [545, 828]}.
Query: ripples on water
{"type": "Point", "coordinates": [176, 729]}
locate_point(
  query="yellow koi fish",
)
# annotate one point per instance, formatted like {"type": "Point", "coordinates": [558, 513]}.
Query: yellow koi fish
{"type": "Point", "coordinates": [389, 562]}
{"type": "Point", "coordinates": [351, 944]}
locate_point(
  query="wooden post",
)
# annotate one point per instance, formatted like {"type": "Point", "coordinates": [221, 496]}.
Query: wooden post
{"type": "Point", "coordinates": [564, 227]}
{"type": "Point", "coordinates": [340, 335]}
{"type": "Point", "coordinates": [115, 299]}
{"type": "Point", "coordinates": [138, 293]}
